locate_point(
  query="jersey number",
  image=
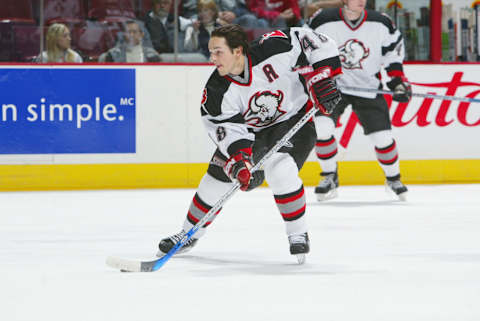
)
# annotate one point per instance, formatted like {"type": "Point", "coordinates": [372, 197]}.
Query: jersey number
{"type": "Point", "coordinates": [307, 44]}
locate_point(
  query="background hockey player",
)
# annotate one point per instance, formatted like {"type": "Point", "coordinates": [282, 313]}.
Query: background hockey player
{"type": "Point", "coordinates": [367, 40]}
{"type": "Point", "coordinates": [250, 101]}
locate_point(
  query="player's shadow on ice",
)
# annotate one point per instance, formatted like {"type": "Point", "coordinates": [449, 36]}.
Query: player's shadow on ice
{"type": "Point", "coordinates": [222, 266]}
{"type": "Point", "coordinates": [335, 203]}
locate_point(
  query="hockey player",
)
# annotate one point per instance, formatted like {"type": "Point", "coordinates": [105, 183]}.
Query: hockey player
{"type": "Point", "coordinates": [367, 40]}
{"type": "Point", "coordinates": [250, 101]}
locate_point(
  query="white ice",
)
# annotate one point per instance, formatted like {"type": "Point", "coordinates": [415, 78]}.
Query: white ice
{"type": "Point", "coordinates": [371, 258]}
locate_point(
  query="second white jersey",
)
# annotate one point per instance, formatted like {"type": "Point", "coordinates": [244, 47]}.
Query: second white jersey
{"type": "Point", "coordinates": [364, 47]}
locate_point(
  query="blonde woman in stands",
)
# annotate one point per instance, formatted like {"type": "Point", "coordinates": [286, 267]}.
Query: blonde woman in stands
{"type": "Point", "coordinates": [58, 46]}
{"type": "Point", "coordinates": [198, 34]}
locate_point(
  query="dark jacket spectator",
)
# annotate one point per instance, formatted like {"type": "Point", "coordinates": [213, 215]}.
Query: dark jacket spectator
{"type": "Point", "coordinates": [160, 24]}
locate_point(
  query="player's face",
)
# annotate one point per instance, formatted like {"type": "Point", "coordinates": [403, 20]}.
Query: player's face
{"type": "Point", "coordinates": [356, 5]}
{"type": "Point", "coordinates": [225, 59]}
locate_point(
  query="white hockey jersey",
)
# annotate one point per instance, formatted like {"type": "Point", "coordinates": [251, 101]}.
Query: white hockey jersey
{"type": "Point", "coordinates": [365, 46]}
{"type": "Point", "coordinates": [270, 90]}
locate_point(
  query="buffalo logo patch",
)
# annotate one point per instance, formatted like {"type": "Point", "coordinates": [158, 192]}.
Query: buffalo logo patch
{"type": "Point", "coordinates": [264, 108]}
{"type": "Point", "coordinates": [352, 53]}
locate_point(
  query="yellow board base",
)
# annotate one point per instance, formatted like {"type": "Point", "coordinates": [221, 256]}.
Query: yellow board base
{"type": "Point", "coordinates": [126, 176]}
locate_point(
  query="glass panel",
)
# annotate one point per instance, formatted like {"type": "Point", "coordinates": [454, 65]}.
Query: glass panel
{"type": "Point", "coordinates": [459, 25]}
{"type": "Point", "coordinates": [413, 20]}
{"type": "Point", "coordinates": [19, 31]}
{"type": "Point", "coordinates": [97, 26]}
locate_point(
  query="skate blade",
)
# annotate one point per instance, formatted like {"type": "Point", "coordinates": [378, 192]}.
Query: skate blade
{"type": "Point", "coordinates": [401, 197]}
{"type": "Point", "coordinates": [327, 196]}
{"type": "Point", "coordinates": [301, 258]}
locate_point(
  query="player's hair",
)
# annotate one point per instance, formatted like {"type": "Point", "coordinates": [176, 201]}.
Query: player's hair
{"type": "Point", "coordinates": [54, 53]}
{"type": "Point", "coordinates": [234, 35]}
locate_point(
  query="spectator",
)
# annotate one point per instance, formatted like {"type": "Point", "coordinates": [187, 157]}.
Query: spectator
{"type": "Point", "coordinates": [236, 11]}
{"type": "Point", "coordinates": [189, 9]}
{"type": "Point", "coordinates": [58, 46]}
{"type": "Point", "coordinates": [315, 5]}
{"type": "Point", "coordinates": [132, 49]}
{"type": "Point", "coordinates": [160, 25]}
{"type": "Point", "coordinates": [278, 13]}
{"type": "Point", "coordinates": [198, 34]}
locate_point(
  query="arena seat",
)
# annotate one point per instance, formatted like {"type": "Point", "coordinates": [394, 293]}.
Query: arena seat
{"type": "Point", "coordinates": [17, 11]}
{"type": "Point", "coordinates": [6, 41]}
{"type": "Point", "coordinates": [143, 6]}
{"type": "Point", "coordinates": [26, 42]}
{"type": "Point", "coordinates": [111, 10]}
{"type": "Point", "coordinates": [69, 11]}
{"type": "Point", "coordinates": [92, 39]}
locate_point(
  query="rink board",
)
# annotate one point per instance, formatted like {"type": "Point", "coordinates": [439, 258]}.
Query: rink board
{"type": "Point", "coordinates": [142, 128]}
{"type": "Point", "coordinates": [125, 176]}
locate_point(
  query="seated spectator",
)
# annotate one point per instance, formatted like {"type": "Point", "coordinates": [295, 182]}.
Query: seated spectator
{"type": "Point", "coordinates": [236, 11]}
{"type": "Point", "coordinates": [160, 24]}
{"type": "Point", "coordinates": [189, 9]}
{"type": "Point", "coordinates": [278, 13]}
{"type": "Point", "coordinates": [198, 34]}
{"type": "Point", "coordinates": [132, 49]}
{"type": "Point", "coordinates": [58, 46]}
{"type": "Point", "coordinates": [315, 5]}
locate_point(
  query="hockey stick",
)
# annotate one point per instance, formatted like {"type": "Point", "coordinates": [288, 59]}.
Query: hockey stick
{"type": "Point", "coordinates": [433, 96]}
{"type": "Point", "coordinates": [150, 266]}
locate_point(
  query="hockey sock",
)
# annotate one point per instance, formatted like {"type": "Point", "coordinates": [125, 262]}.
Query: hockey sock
{"type": "Point", "coordinates": [292, 208]}
{"type": "Point", "coordinates": [326, 151]}
{"type": "Point", "coordinates": [386, 151]}
{"type": "Point", "coordinates": [198, 209]}
{"type": "Point", "coordinates": [326, 145]}
{"type": "Point", "coordinates": [281, 173]}
{"type": "Point", "coordinates": [208, 193]}
{"type": "Point", "coordinates": [388, 159]}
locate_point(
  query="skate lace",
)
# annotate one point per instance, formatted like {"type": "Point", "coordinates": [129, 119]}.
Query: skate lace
{"type": "Point", "coordinates": [178, 237]}
{"type": "Point", "coordinates": [300, 238]}
{"type": "Point", "coordinates": [395, 184]}
{"type": "Point", "coordinates": [327, 181]}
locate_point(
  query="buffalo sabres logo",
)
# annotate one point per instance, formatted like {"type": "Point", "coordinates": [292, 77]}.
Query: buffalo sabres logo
{"type": "Point", "coordinates": [352, 53]}
{"type": "Point", "coordinates": [264, 108]}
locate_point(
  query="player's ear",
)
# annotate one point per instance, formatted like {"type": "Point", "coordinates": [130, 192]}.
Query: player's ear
{"type": "Point", "coordinates": [238, 51]}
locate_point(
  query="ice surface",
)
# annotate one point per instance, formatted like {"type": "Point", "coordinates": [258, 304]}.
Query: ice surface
{"type": "Point", "coordinates": [372, 258]}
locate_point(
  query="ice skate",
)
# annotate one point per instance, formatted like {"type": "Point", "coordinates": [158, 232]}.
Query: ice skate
{"type": "Point", "coordinates": [299, 246]}
{"type": "Point", "coordinates": [166, 244]}
{"type": "Point", "coordinates": [327, 188]}
{"type": "Point", "coordinates": [397, 187]}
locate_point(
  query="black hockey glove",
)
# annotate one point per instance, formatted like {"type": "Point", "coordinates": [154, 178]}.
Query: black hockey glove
{"type": "Point", "coordinates": [323, 90]}
{"type": "Point", "coordinates": [238, 168]}
{"type": "Point", "coordinates": [402, 90]}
